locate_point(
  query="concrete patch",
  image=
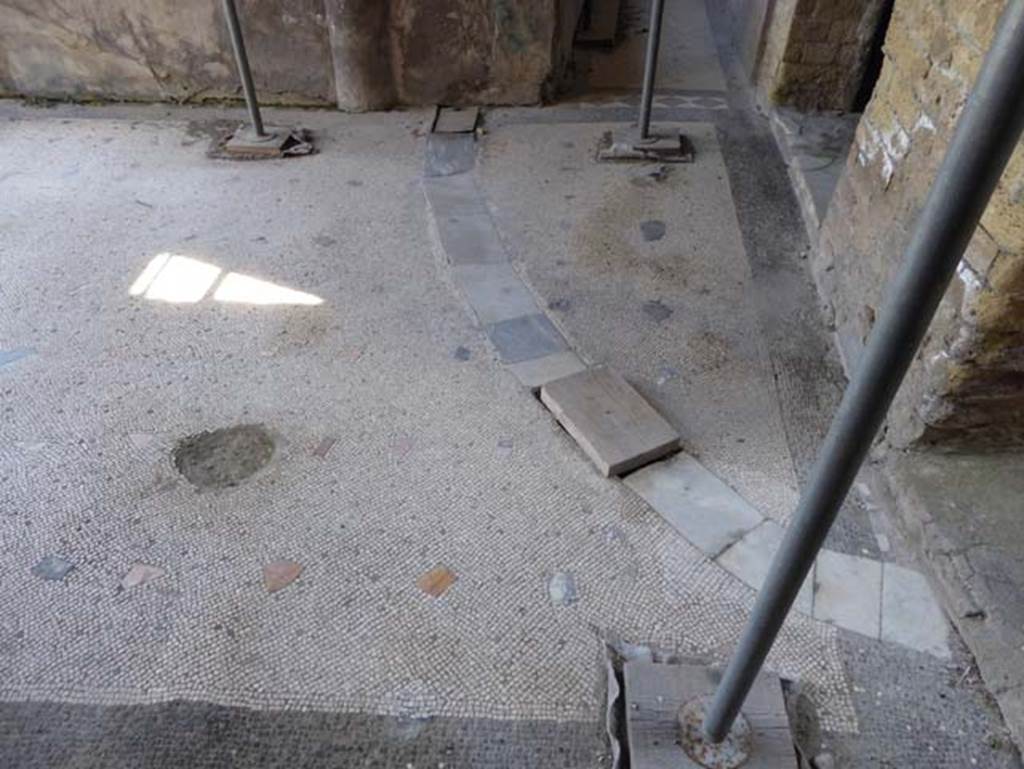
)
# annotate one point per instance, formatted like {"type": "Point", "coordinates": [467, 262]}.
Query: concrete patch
{"type": "Point", "coordinates": [225, 457]}
{"type": "Point", "coordinates": [525, 338]}
{"type": "Point", "coordinates": [848, 592]}
{"type": "Point", "coordinates": [695, 502]}
{"type": "Point", "coordinates": [910, 614]}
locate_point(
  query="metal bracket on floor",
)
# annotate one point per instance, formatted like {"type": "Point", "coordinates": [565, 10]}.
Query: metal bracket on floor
{"type": "Point", "coordinates": [257, 140]}
{"type": "Point", "coordinates": [642, 143]}
{"type": "Point", "coordinates": [663, 148]}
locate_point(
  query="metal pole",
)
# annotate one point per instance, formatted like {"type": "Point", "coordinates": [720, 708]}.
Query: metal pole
{"type": "Point", "coordinates": [238, 43]}
{"type": "Point", "coordinates": [987, 133]}
{"type": "Point", "coordinates": [650, 66]}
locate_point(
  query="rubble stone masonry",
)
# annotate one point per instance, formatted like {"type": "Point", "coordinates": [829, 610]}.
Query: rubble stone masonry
{"type": "Point", "coordinates": [966, 388]}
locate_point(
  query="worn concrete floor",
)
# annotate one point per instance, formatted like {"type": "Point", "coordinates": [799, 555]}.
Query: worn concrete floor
{"type": "Point", "coordinates": [149, 293]}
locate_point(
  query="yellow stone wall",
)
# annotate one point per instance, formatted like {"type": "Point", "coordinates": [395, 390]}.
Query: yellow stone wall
{"type": "Point", "coordinates": [967, 387]}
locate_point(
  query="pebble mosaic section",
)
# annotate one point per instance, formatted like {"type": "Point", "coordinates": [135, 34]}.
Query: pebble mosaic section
{"type": "Point", "coordinates": [698, 101]}
{"type": "Point", "coordinates": [393, 456]}
{"type": "Point", "coordinates": [870, 597]}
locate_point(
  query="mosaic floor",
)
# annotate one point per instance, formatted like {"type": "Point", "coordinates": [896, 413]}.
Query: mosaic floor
{"type": "Point", "coordinates": [405, 546]}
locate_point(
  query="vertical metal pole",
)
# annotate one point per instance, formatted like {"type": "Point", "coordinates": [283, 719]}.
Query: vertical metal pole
{"type": "Point", "coordinates": [238, 43]}
{"type": "Point", "coordinates": [987, 133]}
{"type": "Point", "coordinates": [650, 66]}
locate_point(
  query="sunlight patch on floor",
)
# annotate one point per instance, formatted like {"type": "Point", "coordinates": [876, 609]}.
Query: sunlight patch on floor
{"type": "Point", "coordinates": [185, 280]}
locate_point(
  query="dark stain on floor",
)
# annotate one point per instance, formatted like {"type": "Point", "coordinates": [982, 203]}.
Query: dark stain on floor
{"type": "Point", "coordinates": [223, 458]}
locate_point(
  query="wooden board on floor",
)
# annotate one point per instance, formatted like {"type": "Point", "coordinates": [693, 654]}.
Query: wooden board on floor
{"type": "Point", "coordinates": [654, 694]}
{"type": "Point", "coordinates": [610, 420]}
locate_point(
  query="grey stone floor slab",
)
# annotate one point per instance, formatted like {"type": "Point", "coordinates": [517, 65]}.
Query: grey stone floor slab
{"type": "Point", "coordinates": [525, 338]}
{"type": "Point", "coordinates": [848, 592]}
{"type": "Point", "coordinates": [751, 557]}
{"type": "Point", "coordinates": [910, 614]}
{"type": "Point", "coordinates": [470, 239]}
{"type": "Point", "coordinates": [539, 371]}
{"type": "Point", "coordinates": [697, 503]}
{"type": "Point", "coordinates": [494, 291]}
{"type": "Point", "coordinates": [453, 196]}
{"type": "Point", "coordinates": [449, 154]}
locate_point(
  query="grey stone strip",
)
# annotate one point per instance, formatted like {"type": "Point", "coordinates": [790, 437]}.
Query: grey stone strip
{"type": "Point", "coordinates": [660, 102]}
{"type": "Point", "coordinates": [864, 595]}
{"type": "Point", "coordinates": [845, 590]}
{"type": "Point", "coordinates": [201, 735]}
{"type": "Point", "coordinates": [449, 154]}
{"type": "Point", "coordinates": [524, 337]}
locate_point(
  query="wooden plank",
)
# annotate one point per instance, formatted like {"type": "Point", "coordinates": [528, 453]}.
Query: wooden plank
{"type": "Point", "coordinates": [654, 694]}
{"type": "Point", "coordinates": [610, 421]}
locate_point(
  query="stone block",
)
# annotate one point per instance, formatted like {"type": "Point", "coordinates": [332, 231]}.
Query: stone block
{"type": "Point", "coordinates": [751, 558]}
{"type": "Point", "coordinates": [700, 506]}
{"type": "Point", "coordinates": [910, 614]}
{"type": "Point", "coordinates": [525, 338]}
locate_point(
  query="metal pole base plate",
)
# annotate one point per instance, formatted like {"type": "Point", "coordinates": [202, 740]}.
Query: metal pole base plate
{"type": "Point", "coordinates": [661, 147]}
{"type": "Point", "coordinates": [276, 142]}
{"type": "Point", "coordinates": [665, 707]}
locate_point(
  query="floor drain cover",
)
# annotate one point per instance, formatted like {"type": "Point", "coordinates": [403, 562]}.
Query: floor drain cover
{"type": "Point", "coordinates": [221, 458]}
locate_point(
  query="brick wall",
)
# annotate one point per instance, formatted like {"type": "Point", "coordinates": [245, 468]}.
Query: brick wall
{"type": "Point", "coordinates": [967, 386]}
{"type": "Point", "coordinates": [815, 51]}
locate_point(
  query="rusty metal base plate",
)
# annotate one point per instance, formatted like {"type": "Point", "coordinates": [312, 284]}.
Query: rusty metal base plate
{"type": "Point", "coordinates": [244, 141]}
{"type": "Point", "coordinates": [665, 703]}
{"type": "Point", "coordinates": [662, 147]}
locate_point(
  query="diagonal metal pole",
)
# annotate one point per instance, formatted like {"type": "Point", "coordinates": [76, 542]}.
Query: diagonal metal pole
{"type": "Point", "coordinates": [238, 43]}
{"type": "Point", "coordinates": [986, 135]}
{"type": "Point", "coordinates": [650, 66]}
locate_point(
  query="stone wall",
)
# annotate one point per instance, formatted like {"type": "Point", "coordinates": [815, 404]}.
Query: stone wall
{"type": "Point", "coordinates": [826, 51]}
{"type": "Point", "coordinates": [967, 386]}
{"type": "Point", "coordinates": [809, 54]}
{"type": "Point", "coordinates": [161, 50]}
{"type": "Point", "coordinates": [358, 54]}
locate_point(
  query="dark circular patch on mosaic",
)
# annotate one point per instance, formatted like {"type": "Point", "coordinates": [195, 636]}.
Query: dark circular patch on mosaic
{"type": "Point", "coordinates": [222, 458]}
